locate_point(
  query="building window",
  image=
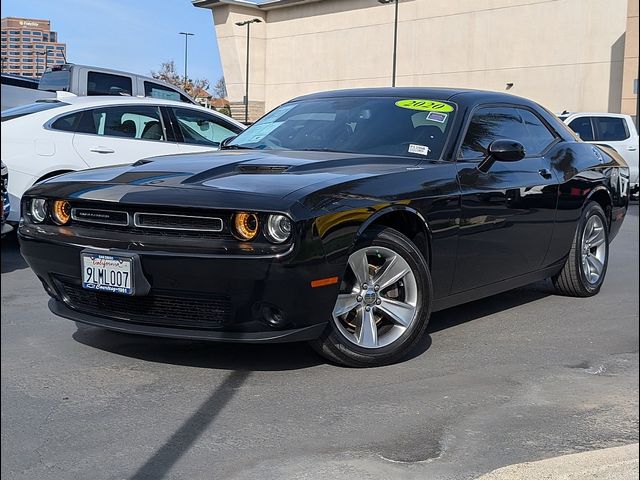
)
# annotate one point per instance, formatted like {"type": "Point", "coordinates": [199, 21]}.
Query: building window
{"type": "Point", "coordinates": [14, 39]}
{"type": "Point", "coordinates": [59, 47]}
{"type": "Point", "coordinates": [14, 32]}
{"type": "Point", "coordinates": [39, 45]}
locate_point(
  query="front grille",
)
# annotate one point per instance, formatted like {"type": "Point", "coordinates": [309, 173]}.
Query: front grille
{"type": "Point", "coordinates": [166, 309]}
{"type": "Point", "coordinates": [178, 222]}
{"type": "Point", "coordinates": [190, 224]}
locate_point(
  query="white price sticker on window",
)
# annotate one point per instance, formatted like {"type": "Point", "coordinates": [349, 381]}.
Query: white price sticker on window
{"type": "Point", "coordinates": [419, 149]}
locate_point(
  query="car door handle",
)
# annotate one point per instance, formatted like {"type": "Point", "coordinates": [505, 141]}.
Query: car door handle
{"type": "Point", "coordinates": [101, 150]}
{"type": "Point", "coordinates": [544, 173]}
{"type": "Point", "coordinates": [632, 148]}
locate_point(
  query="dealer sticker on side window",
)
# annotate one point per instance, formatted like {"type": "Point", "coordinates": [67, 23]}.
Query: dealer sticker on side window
{"type": "Point", "coordinates": [419, 149]}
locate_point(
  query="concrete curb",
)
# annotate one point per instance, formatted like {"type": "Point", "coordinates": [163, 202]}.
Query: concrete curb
{"type": "Point", "coordinates": [618, 463]}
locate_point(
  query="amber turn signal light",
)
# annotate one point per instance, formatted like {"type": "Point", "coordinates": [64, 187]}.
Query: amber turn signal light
{"type": "Point", "coordinates": [246, 225]}
{"type": "Point", "coordinates": [61, 212]}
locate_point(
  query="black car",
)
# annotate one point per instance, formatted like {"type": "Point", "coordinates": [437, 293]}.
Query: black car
{"type": "Point", "coordinates": [342, 218]}
{"type": "Point", "coordinates": [6, 204]}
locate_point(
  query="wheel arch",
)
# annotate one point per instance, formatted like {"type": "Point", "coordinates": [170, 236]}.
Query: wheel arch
{"type": "Point", "coordinates": [601, 196]}
{"type": "Point", "coordinates": [405, 220]}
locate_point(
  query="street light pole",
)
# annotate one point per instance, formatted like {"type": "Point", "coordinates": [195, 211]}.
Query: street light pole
{"type": "Point", "coordinates": [246, 90]}
{"type": "Point", "coordinates": [395, 38]}
{"type": "Point", "coordinates": [186, 38]}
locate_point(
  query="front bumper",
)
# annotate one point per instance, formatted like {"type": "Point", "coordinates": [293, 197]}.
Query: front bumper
{"type": "Point", "coordinates": [193, 295]}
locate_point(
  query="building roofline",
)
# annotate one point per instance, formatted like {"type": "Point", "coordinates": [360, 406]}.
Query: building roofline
{"type": "Point", "coordinates": [266, 5]}
{"type": "Point", "coordinates": [27, 18]}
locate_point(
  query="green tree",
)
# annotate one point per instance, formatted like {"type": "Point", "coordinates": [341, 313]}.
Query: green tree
{"type": "Point", "coordinates": [167, 73]}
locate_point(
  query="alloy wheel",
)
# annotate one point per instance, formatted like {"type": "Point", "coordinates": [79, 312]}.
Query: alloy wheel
{"type": "Point", "coordinates": [594, 249]}
{"type": "Point", "coordinates": [378, 299]}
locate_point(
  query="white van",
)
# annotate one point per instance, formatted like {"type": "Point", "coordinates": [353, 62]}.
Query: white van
{"type": "Point", "coordinates": [84, 80]}
{"type": "Point", "coordinates": [613, 129]}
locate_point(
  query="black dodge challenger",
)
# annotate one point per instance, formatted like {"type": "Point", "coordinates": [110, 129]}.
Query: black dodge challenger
{"type": "Point", "coordinates": [342, 218]}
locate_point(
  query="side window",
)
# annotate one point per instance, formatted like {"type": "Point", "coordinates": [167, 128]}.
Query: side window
{"type": "Point", "coordinates": [156, 90]}
{"type": "Point", "coordinates": [610, 128]}
{"type": "Point", "coordinates": [538, 135]}
{"type": "Point", "coordinates": [67, 123]}
{"type": "Point", "coordinates": [108, 84]}
{"type": "Point", "coordinates": [582, 126]}
{"type": "Point", "coordinates": [139, 122]}
{"type": "Point", "coordinates": [489, 124]}
{"type": "Point", "coordinates": [200, 128]}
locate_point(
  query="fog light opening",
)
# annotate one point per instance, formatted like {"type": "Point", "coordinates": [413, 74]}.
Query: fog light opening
{"type": "Point", "coordinates": [273, 316]}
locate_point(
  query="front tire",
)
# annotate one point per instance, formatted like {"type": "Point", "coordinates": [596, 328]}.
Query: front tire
{"type": "Point", "coordinates": [384, 303]}
{"type": "Point", "coordinates": [586, 266]}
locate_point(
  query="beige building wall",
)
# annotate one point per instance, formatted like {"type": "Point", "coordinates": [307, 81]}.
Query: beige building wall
{"type": "Point", "coordinates": [630, 76]}
{"type": "Point", "coordinates": [565, 54]}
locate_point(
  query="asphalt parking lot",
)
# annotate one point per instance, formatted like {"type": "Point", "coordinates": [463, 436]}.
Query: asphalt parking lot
{"type": "Point", "coordinates": [517, 377]}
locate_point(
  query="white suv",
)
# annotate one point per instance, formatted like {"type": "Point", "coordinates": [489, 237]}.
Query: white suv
{"type": "Point", "coordinates": [613, 129]}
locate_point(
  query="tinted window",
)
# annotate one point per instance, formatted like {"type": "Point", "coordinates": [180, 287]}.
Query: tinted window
{"type": "Point", "coordinates": [139, 122]}
{"type": "Point", "coordinates": [489, 124]}
{"type": "Point", "coordinates": [582, 126]}
{"type": "Point", "coordinates": [538, 137]}
{"type": "Point", "coordinates": [108, 84]}
{"type": "Point", "coordinates": [57, 80]}
{"type": "Point", "coordinates": [30, 108]}
{"type": "Point", "coordinates": [610, 128]}
{"type": "Point", "coordinates": [379, 125]}
{"type": "Point", "coordinates": [67, 123]}
{"type": "Point", "coordinates": [156, 90]}
{"type": "Point", "coordinates": [200, 128]}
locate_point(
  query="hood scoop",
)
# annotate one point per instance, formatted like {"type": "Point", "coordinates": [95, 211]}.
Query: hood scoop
{"type": "Point", "coordinates": [263, 169]}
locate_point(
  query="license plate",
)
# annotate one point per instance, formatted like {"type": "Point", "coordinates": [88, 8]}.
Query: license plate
{"type": "Point", "coordinates": [107, 273]}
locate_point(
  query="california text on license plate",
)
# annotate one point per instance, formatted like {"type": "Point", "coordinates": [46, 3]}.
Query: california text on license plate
{"type": "Point", "coordinates": [108, 273]}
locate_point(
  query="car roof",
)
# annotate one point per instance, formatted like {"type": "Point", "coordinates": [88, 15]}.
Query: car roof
{"type": "Point", "coordinates": [72, 102]}
{"type": "Point", "coordinates": [463, 95]}
{"type": "Point", "coordinates": [594, 114]}
{"type": "Point", "coordinates": [72, 99]}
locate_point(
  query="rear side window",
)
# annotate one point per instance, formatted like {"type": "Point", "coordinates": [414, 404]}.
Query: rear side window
{"type": "Point", "coordinates": [610, 128]}
{"type": "Point", "coordinates": [99, 83]}
{"type": "Point", "coordinates": [582, 126]}
{"type": "Point", "coordinates": [157, 90]}
{"type": "Point", "coordinates": [67, 123]}
{"type": "Point", "coordinates": [135, 122]}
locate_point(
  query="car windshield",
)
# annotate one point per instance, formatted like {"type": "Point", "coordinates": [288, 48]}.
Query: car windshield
{"type": "Point", "coordinates": [23, 110]}
{"type": "Point", "coordinates": [368, 125]}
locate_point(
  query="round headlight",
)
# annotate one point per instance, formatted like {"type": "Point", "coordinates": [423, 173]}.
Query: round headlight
{"type": "Point", "coordinates": [246, 225]}
{"type": "Point", "coordinates": [38, 210]}
{"type": "Point", "coordinates": [278, 228]}
{"type": "Point", "coordinates": [61, 212]}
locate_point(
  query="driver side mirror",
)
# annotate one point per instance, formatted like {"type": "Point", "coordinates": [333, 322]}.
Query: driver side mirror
{"type": "Point", "coordinates": [502, 151]}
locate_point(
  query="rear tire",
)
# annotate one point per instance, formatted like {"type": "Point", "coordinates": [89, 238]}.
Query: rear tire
{"type": "Point", "coordinates": [384, 303]}
{"type": "Point", "coordinates": [586, 267]}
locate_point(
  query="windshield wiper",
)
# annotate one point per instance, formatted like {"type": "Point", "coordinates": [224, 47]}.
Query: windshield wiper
{"type": "Point", "coordinates": [319, 150]}
{"type": "Point", "coordinates": [235, 147]}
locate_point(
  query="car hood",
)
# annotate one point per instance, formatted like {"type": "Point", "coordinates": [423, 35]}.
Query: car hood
{"type": "Point", "coordinates": [260, 173]}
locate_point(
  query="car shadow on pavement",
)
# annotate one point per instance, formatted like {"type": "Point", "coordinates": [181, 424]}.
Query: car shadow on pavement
{"type": "Point", "coordinates": [11, 257]}
{"type": "Point", "coordinates": [488, 306]}
{"type": "Point", "coordinates": [218, 355]}
{"type": "Point", "coordinates": [282, 356]}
